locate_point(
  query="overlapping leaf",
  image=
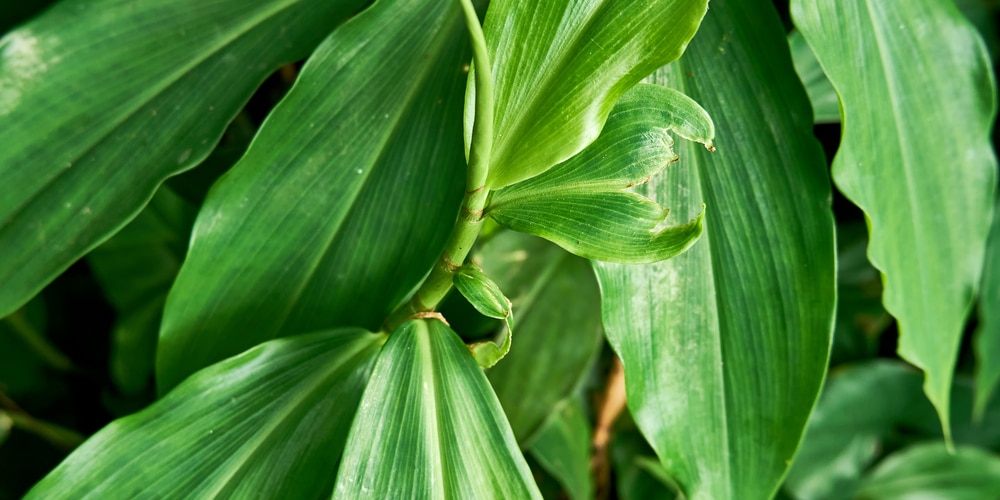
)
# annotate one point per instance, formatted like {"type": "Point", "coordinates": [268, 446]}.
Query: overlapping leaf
{"type": "Point", "coordinates": [557, 302]}
{"type": "Point", "coordinates": [932, 471]}
{"type": "Point", "coordinates": [429, 426]}
{"type": "Point", "coordinates": [559, 66]}
{"type": "Point", "coordinates": [102, 100]}
{"type": "Point", "coordinates": [725, 346]}
{"type": "Point", "coordinates": [822, 96]}
{"type": "Point", "coordinates": [484, 294]}
{"type": "Point", "coordinates": [562, 447]}
{"type": "Point", "coordinates": [270, 422]}
{"type": "Point", "coordinates": [988, 334]}
{"type": "Point", "coordinates": [916, 156]}
{"type": "Point", "coordinates": [584, 204]}
{"type": "Point", "coordinates": [343, 201]}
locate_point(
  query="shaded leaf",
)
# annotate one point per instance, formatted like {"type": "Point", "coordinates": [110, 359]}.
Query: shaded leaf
{"type": "Point", "coordinates": [822, 96]}
{"type": "Point", "coordinates": [487, 298]}
{"type": "Point", "coordinates": [861, 319]}
{"type": "Point", "coordinates": [584, 204]}
{"type": "Point", "coordinates": [559, 66]}
{"type": "Point", "coordinates": [632, 480]}
{"type": "Point", "coordinates": [725, 346]}
{"type": "Point", "coordinates": [429, 426]}
{"type": "Point", "coordinates": [135, 269]}
{"type": "Point", "coordinates": [270, 422]}
{"type": "Point", "coordinates": [931, 471]}
{"type": "Point", "coordinates": [928, 208]}
{"type": "Point", "coordinates": [81, 159]}
{"type": "Point", "coordinates": [343, 201]}
{"type": "Point", "coordinates": [559, 326]}
{"type": "Point", "coordinates": [562, 447]}
{"type": "Point", "coordinates": [988, 334]}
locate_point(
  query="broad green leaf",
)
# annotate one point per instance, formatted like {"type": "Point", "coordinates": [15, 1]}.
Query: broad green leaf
{"type": "Point", "coordinates": [487, 298]}
{"type": "Point", "coordinates": [725, 346]}
{"type": "Point", "coordinates": [822, 96]}
{"type": "Point", "coordinates": [136, 268]}
{"type": "Point", "coordinates": [866, 408]}
{"type": "Point", "coordinates": [100, 101]}
{"type": "Point", "coordinates": [344, 199]}
{"type": "Point", "coordinates": [861, 319]}
{"type": "Point", "coordinates": [633, 481]}
{"type": "Point", "coordinates": [429, 426]}
{"type": "Point", "coordinates": [559, 66]}
{"type": "Point", "coordinates": [931, 471]}
{"type": "Point", "coordinates": [558, 328]}
{"type": "Point", "coordinates": [988, 333]}
{"type": "Point", "coordinates": [916, 156]}
{"type": "Point", "coordinates": [268, 423]}
{"type": "Point", "coordinates": [584, 204]}
{"type": "Point", "coordinates": [562, 447]}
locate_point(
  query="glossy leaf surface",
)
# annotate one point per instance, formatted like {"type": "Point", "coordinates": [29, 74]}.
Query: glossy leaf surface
{"type": "Point", "coordinates": [584, 204]}
{"type": "Point", "coordinates": [559, 66]}
{"type": "Point", "coordinates": [558, 326]}
{"type": "Point", "coordinates": [822, 96]}
{"type": "Point", "coordinates": [270, 422]}
{"type": "Point", "coordinates": [725, 346]}
{"type": "Point", "coordinates": [317, 225]}
{"type": "Point", "coordinates": [429, 426]}
{"type": "Point", "coordinates": [988, 334]}
{"type": "Point", "coordinates": [562, 447]}
{"type": "Point", "coordinates": [100, 101]}
{"type": "Point", "coordinates": [916, 156]}
{"type": "Point", "coordinates": [135, 269]}
{"type": "Point", "coordinates": [931, 471]}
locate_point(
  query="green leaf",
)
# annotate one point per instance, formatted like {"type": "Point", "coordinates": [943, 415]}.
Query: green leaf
{"type": "Point", "coordinates": [725, 346]}
{"type": "Point", "coordinates": [861, 319]}
{"type": "Point", "coordinates": [559, 66]}
{"type": "Point", "coordinates": [100, 101]}
{"type": "Point", "coordinates": [135, 269]}
{"type": "Point", "coordinates": [822, 96]}
{"type": "Point", "coordinates": [429, 426]}
{"type": "Point", "coordinates": [633, 481]}
{"type": "Point", "coordinates": [931, 471]}
{"type": "Point", "coordinates": [988, 334]}
{"type": "Point", "coordinates": [270, 422]}
{"type": "Point", "coordinates": [559, 327]}
{"type": "Point", "coordinates": [562, 447]}
{"type": "Point", "coordinates": [917, 157]}
{"type": "Point", "coordinates": [584, 204]}
{"type": "Point", "coordinates": [487, 298]}
{"type": "Point", "coordinates": [314, 227]}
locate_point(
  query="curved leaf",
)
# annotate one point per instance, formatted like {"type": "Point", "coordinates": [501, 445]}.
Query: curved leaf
{"type": "Point", "coordinates": [270, 422]}
{"type": "Point", "coordinates": [916, 156]}
{"type": "Point", "coordinates": [315, 226]}
{"type": "Point", "coordinates": [429, 426]}
{"type": "Point", "coordinates": [562, 447]}
{"type": "Point", "coordinates": [559, 66]}
{"type": "Point", "coordinates": [487, 298]}
{"type": "Point", "coordinates": [100, 101]}
{"type": "Point", "coordinates": [584, 204]}
{"type": "Point", "coordinates": [931, 471]}
{"type": "Point", "coordinates": [725, 346]}
{"type": "Point", "coordinates": [822, 96]}
{"type": "Point", "coordinates": [988, 333]}
{"type": "Point", "coordinates": [559, 327]}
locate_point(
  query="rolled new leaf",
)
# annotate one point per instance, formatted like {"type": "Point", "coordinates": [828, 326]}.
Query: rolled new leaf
{"type": "Point", "coordinates": [430, 426]}
{"type": "Point", "coordinates": [487, 298]}
{"type": "Point", "coordinates": [585, 204]}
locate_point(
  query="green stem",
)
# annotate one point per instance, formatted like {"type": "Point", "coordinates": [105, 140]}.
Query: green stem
{"type": "Point", "coordinates": [37, 342]}
{"type": "Point", "coordinates": [60, 437]}
{"type": "Point", "coordinates": [470, 221]}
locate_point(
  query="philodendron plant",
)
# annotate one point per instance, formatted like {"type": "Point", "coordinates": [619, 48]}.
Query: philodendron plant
{"type": "Point", "coordinates": [339, 318]}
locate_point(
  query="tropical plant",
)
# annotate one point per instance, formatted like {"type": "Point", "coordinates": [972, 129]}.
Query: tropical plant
{"type": "Point", "coordinates": [389, 271]}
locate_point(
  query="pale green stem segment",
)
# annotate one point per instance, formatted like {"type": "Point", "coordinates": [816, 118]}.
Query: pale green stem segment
{"type": "Point", "coordinates": [18, 322]}
{"type": "Point", "coordinates": [60, 437]}
{"type": "Point", "coordinates": [470, 221]}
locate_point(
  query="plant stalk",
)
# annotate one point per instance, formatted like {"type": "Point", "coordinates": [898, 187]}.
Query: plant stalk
{"type": "Point", "coordinates": [18, 322]}
{"type": "Point", "coordinates": [470, 220]}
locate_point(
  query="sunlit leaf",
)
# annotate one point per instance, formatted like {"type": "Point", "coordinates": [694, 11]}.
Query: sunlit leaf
{"type": "Point", "coordinates": [559, 66]}
{"type": "Point", "coordinates": [725, 346]}
{"type": "Point", "coordinates": [562, 447]}
{"type": "Point", "coordinates": [100, 101]}
{"type": "Point", "coordinates": [931, 471]}
{"type": "Point", "coordinates": [429, 426]}
{"type": "Point", "coordinates": [916, 156]}
{"type": "Point", "coordinates": [269, 423]}
{"type": "Point", "coordinates": [343, 201]}
{"type": "Point", "coordinates": [585, 204]}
